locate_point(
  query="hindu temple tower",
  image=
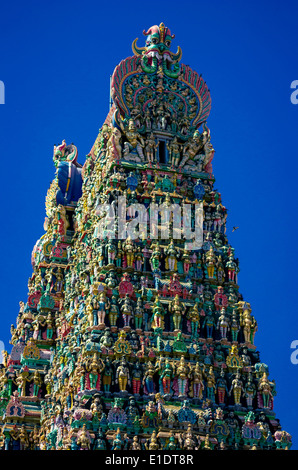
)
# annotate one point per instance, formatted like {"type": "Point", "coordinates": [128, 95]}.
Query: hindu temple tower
{"type": "Point", "coordinates": [134, 335]}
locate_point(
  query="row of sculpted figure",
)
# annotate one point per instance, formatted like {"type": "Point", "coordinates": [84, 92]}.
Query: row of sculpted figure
{"type": "Point", "coordinates": [222, 375]}
{"type": "Point", "coordinates": [127, 424]}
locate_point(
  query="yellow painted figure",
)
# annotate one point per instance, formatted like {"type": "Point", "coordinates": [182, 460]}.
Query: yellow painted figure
{"type": "Point", "coordinates": [178, 309]}
{"type": "Point", "coordinates": [122, 376]}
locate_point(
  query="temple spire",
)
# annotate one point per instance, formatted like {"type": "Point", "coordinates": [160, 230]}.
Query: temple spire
{"type": "Point", "coordinates": [135, 334]}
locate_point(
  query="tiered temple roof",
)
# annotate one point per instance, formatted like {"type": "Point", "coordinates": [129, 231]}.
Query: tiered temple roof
{"type": "Point", "coordinates": [135, 334]}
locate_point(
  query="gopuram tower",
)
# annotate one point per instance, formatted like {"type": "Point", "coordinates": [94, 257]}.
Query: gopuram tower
{"type": "Point", "coordinates": [134, 335]}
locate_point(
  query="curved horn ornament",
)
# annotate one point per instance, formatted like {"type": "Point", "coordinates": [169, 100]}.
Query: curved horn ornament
{"type": "Point", "coordinates": [138, 51]}
{"type": "Point", "coordinates": [177, 57]}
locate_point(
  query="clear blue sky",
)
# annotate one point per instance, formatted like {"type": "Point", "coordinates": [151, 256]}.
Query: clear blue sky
{"type": "Point", "coordinates": [55, 61]}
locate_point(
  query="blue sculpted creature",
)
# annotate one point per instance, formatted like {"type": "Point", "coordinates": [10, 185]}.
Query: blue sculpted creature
{"type": "Point", "coordinates": [69, 174]}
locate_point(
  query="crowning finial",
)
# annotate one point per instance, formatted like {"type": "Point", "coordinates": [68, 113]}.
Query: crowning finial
{"type": "Point", "coordinates": [162, 32]}
{"type": "Point", "coordinates": [133, 76]}
{"type": "Point", "coordinates": [158, 43]}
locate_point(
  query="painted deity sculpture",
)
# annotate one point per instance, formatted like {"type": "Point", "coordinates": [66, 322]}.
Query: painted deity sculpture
{"type": "Point", "coordinates": [177, 309]}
